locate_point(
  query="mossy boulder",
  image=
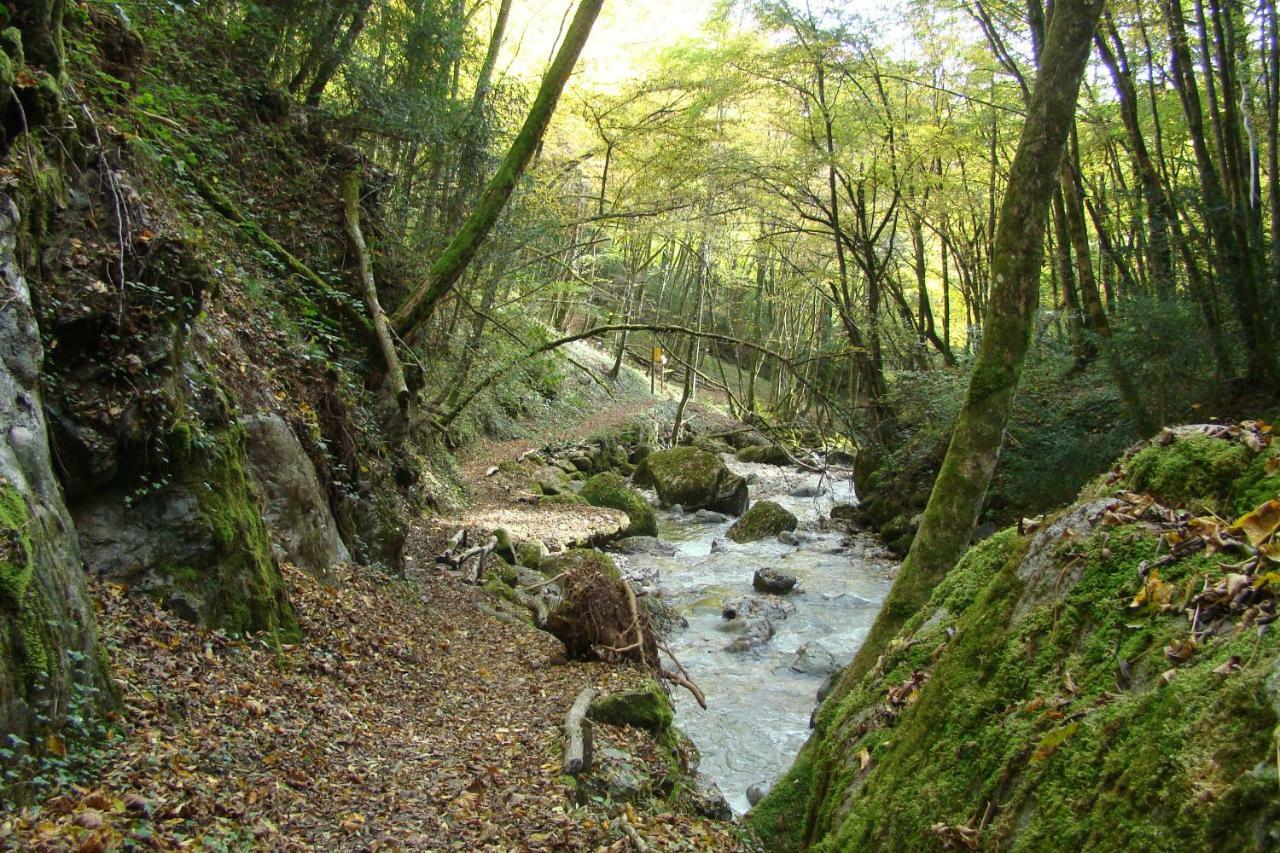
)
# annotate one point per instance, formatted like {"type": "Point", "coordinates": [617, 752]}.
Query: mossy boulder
{"type": "Point", "coordinates": [1048, 693]}
{"type": "Point", "coordinates": [196, 542]}
{"type": "Point", "coordinates": [611, 490]}
{"type": "Point", "coordinates": [766, 454]}
{"type": "Point", "coordinates": [764, 520]}
{"type": "Point", "coordinates": [696, 480]}
{"type": "Point", "coordinates": [505, 550]}
{"type": "Point", "coordinates": [563, 499]}
{"type": "Point", "coordinates": [647, 707]}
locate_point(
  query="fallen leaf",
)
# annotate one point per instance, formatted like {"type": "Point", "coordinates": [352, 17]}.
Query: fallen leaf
{"type": "Point", "coordinates": [1260, 524]}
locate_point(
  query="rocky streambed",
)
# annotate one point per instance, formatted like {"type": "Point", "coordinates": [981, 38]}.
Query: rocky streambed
{"type": "Point", "coordinates": [761, 670]}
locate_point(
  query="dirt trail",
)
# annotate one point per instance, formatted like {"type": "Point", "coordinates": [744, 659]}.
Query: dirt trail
{"type": "Point", "coordinates": [407, 719]}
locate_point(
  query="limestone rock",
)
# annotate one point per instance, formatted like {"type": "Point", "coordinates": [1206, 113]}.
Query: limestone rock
{"type": "Point", "coordinates": [773, 581]}
{"type": "Point", "coordinates": [763, 520]}
{"type": "Point", "coordinates": [295, 507]}
{"type": "Point", "coordinates": [694, 479]}
{"type": "Point", "coordinates": [611, 490]}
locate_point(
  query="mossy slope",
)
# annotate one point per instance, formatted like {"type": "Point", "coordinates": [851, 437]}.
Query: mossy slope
{"type": "Point", "coordinates": [1031, 705]}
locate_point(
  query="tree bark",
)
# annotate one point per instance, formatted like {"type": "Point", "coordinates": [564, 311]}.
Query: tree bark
{"type": "Point", "coordinates": [971, 458]}
{"type": "Point", "coordinates": [351, 211]}
{"type": "Point", "coordinates": [419, 306]}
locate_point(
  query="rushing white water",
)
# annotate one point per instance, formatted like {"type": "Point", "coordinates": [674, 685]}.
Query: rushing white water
{"type": "Point", "coordinates": [758, 707]}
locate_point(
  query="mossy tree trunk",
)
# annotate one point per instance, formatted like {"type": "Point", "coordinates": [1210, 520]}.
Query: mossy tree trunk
{"type": "Point", "coordinates": [966, 472]}
{"type": "Point", "coordinates": [452, 263]}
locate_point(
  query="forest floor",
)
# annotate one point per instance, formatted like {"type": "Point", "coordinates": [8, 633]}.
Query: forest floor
{"type": "Point", "coordinates": [407, 719]}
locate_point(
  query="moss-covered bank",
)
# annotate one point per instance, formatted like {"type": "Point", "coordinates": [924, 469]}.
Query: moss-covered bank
{"type": "Point", "coordinates": [1053, 695]}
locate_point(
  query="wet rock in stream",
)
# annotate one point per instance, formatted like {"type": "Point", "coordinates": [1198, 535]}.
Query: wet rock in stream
{"type": "Point", "coordinates": [774, 581]}
{"type": "Point", "coordinates": [813, 658]}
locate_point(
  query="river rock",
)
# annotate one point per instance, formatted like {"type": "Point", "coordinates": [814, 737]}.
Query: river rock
{"type": "Point", "coordinates": [295, 507]}
{"type": "Point", "coordinates": [844, 512]}
{"type": "Point", "coordinates": [756, 792]}
{"type": "Point", "coordinates": [710, 516]}
{"type": "Point", "coordinates": [647, 546]}
{"type": "Point", "coordinates": [717, 545]}
{"type": "Point", "coordinates": [786, 537]}
{"type": "Point", "coordinates": [758, 632]}
{"type": "Point", "coordinates": [764, 519]}
{"type": "Point", "coordinates": [610, 490]}
{"type": "Point", "coordinates": [708, 801]}
{"type": "Point", "coordinates": [841, 458]}
{"type": "Point", "coordinates": [774, 581]}
{"type": "Point", "coordinates": [763, 454]}
{"type": "Point", "coordinates": [644, 708]}
{"type": "Point", "coordinates": [551, 480]}
{"type": "Point", "coordinates": [811, 490]}
{"type": "Point", "coordinates": [695, 480]}
{"type": "Point", "coordinates": [813, 658]}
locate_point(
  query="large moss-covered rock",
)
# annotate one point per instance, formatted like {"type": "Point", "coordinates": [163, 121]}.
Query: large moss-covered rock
{"type": "Point", "coordinates": [1050, 692]}
{"type": "Point", "coordinates": [645, 708]}
{"type": "Point", "coordinates": [611, 490]}
{"type": "Point", "coordinates": [764, 520]}
{"type": "Point", "coordinates": [49, 658]}
{"type": "Point", "coordinates": [196, 542]}
{"type": "Point", "coordinates": [767, 454]}
{"type": "Point", "coordinates": [695, 480]}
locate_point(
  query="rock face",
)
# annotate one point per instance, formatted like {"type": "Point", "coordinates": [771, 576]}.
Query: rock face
{"type": "Point", "coordinates": [643, 545]}
{"type": "Point", "coordinates": [295, 508]}
{"type": "Point", "coordinates": [49, 661]}
{"type": "Point", "coordinates": [610, 490]}
{"type": "Point", "coordinates": [764, 520]}
{"type": "Point", "coordinates": [197, 544]}
{"type": "Point", "coordinates": [1058, 665]}
{"type": "Point", "coordinates": [694, 479]}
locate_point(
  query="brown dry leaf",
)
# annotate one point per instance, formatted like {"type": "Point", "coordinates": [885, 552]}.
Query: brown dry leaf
{"type": "Point", "coordinates": [864, 759]}
{"type": "Point", "coordinates": [1180, 651]}
{"type": "Point", "coordinates": [1166, 677]}
{"type": "Point", "coordinates": [1156, 592]}
{"type": "Point", "coordinates": [1260, 524]}
{"type": "Point", "coordinates": [1232, 664]}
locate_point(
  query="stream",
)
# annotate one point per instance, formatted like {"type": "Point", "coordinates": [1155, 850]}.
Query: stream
{"type": "Point", "coordinates": [758, 705]}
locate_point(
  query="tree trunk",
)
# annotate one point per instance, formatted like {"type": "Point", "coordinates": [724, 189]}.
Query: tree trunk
{"type": "Point", "coordinates": [41, 24]}
{"type": "Point", "coordinates": [966, 472]}
{"type": "Point", "coordinates": [351, 209]}
{"type": "Point", "coordinates": [419, 306]}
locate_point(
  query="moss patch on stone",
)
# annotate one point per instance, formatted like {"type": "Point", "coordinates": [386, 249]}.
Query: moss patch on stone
{"type": "Point", "coordinates": [16, 562]}
{"type": "Point", "coordinates": [693, 479]}
{"type": "Point", "coordinates": [1049, 704]}
{"type": "Point", "coordinates": [764, 519]}
{"type": "Point", "coordinates": [1195, 472]}
{"type": "Point", "coordinates": [240, 588]}
{"type": "Point", "coordinates": [766, 454]}
{"type": "Point", "coordinates": [580, 559]}
{"type": "Point", "coordinates": [610, 490]}
{"type": "Point", "coordinates": [645, 708]}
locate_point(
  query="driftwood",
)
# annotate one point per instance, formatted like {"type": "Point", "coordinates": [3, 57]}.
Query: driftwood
{"type": "Point", "coordinates": [577, 734]}
{"type": "Point", "coordinates": [455, 559]}
{"type": "Point", "coordinates": [351, 211]}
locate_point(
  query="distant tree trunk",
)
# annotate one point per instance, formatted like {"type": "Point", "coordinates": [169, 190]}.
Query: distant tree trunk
{"type": "Point", "coordinates": [419, 306]}
{"type": "Point", "coordinates": [472, 150]}
{"type": "Point", "coordinates": [338, 54]}
{"type": "Point", "coordinates": [966, 472]}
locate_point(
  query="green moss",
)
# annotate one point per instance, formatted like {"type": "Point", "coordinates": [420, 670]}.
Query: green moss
{"type": "Point", "coordinates": [767, 454]}
{"type": "Point", "coordinates": [1258, 484]}
{"type": "Point", "coordinates": [241, 588]}
{"type": "Point", "coordinates": [762, 520]}
{"type": "Point", "coordinates": [645, 708]}
{"type": "Point", "coordinates": [580, 559]}
{"type": "Point", "coordinates": [17, 565]}
{"type": "Point", "coordinates": [564, 499]}
{"type": "Point", "coordinates": [611, 490]}
{"type": "Point", "coordinates": [1196, 472]}
{"type": "Point", "coordinates": [1026, 709]}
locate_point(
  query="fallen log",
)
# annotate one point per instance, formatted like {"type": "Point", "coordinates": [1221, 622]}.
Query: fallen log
{"type": "Point", "coordinates": [577, 734]}
{"type": "Point", "coordinates": [455, 560]}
